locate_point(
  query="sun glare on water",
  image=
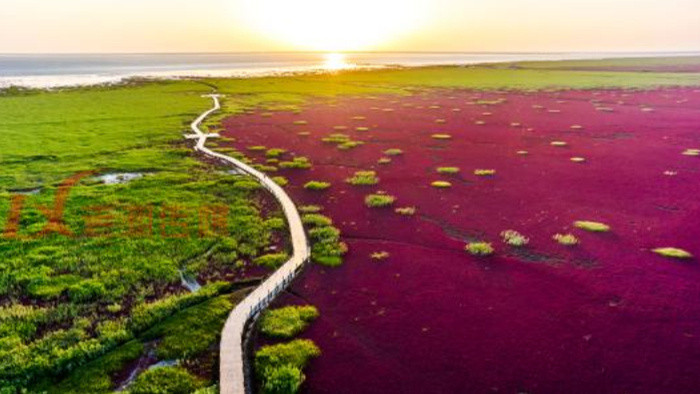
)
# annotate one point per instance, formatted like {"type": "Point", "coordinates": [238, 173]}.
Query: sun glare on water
{"type": "Point", "coordinates": [335, 61]}
{"type": "Point", "coordinates": [334, 25]}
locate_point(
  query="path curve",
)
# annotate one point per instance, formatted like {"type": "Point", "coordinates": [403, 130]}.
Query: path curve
{"type": "Point", "coordinates": [231, 357]}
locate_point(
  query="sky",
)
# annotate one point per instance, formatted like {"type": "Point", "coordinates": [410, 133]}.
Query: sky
{"type": "Point", "coordinates": [137, 26]}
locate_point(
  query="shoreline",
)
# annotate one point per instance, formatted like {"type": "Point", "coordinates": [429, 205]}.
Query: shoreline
{"type": "Point", "coordinates": [77, 80]}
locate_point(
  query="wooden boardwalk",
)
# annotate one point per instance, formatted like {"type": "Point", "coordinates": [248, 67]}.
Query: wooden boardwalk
{"type": "Point", "coordinates": [232, 375]}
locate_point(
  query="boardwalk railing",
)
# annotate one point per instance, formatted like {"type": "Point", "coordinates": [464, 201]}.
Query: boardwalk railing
{"type": "Point", "coordinates": [232, 375]}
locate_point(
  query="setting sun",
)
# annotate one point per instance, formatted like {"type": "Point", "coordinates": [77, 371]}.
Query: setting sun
{"type": "Point", "coordinates": [334, 25]}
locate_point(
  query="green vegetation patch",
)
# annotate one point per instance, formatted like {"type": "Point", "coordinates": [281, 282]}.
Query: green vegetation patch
{"type": "Point", "coordinates": [514, 238]}
{"type": "Point", "coordinates": [166, 380]}
{"type": "Point", "coordinates": [675, 253]}
{"type": "Point", "coordinates": [363, 178]}
{"type": "Point", "coordinates": [479, 248]}
{"type": "Point", "coordinates": [595, 227]}
{"type": "Point", "coordinates": [191, 331]}
{"type": "Point", "coordinates": [288, 321]}
{"type": "Point", "coordinates": [448, 170]}
{"type": "Point", "coordinates": [279, 366]}
{"type": "Point", "coordinates": [317, 185]}
{"type": "Point", "coordinates": [441, 184]}
{"type": "Point", "coordinates": [566, 239]}
{"type": "Point", "coordinates": [379, 200]}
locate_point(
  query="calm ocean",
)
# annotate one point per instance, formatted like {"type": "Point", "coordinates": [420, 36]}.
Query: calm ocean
{"type": "Point", "coordinates": [64, 70]}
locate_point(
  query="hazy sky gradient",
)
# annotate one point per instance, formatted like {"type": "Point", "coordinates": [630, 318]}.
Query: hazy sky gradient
{"type": "Point", "coordinates": [73, 26]}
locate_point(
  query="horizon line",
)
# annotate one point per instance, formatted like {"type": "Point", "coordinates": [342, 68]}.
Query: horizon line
{"type": "Point", "coordinates": [692, 52]}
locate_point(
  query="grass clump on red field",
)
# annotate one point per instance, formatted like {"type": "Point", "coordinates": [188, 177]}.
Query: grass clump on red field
{"type": "Point", "coordinates": [406, 211]}
{"type": "Point", "coordinates": [485, 172]}
{"type": "Point", "coordinates": [393, 152]}
{"type": "Point", "coordinates": [675, 253]}
{"type": "Point", "coordinates": [316, 220]}
{"type": "Point", "coordinates": [441, 184]}
{"type": "Point", "coordinates": [383, 255]}
{"type": "Point", "coordinates": [300, 162]}
{"type": "Point", "coordinates": [479, 248]}
{"type": "Point", "coordinates": [566, 239]}
{"type": "Point", "coordinates": [326, 246]}
{"type": "Point", "coordinates": [595, 227]}
{"type": "Point", "coordinates": [363, 178]}
{"type": "Point", "coordinates": [379, 200]}
{"type": "Point", "coordinates": [275, 152]}
{"type": "Point", "coordinates": [514, 238]}
{"type": "Point", "coordinates": [279, 367]}
{"type": "Point", "coordinates": [448, 170]}
{"type": "Point", "coordinates": [288, 321]}
{"type": "Point", "coordinates": [317, 185]}
{"type": "Point", "coordinates": [310, 208]}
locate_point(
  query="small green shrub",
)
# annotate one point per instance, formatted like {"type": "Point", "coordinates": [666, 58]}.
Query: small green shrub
{"type": "Point", "coordinates": [310, 209]}
{"type": "Point", "coordinates": [317, 185]}
{"type": "Point", "coordinates": [448, 170]}
{"type": "Point", "coordinates": [272, 261]}
{"type": "Point", "coordinates": [275, 152]}
{"type": "Point", "coordinates": [256, 148]}
{"type": "Point", "coordinates": [514, 238]}
{"type": "Point", "coordinates": [300, 162]}
{"type": "Point", "coordinates": [673, 253]}
{"type": "Point", "coordinates": [566, 239]}
{"type": "Point", "coordinates": [595, 227]}
{"type": "Point", "coordinates": [349, 145]}
{"type": "Point", "coordinates": [441, 136]}
{"type": "Point", "coordinates": [336, 138]}
{"type": "Point", "coordinates": [393, 152]}
{"type": "Point", "coordinates": [384, 160]}
{"type": "Point", "coordinates": [316, 220]}
{"type": "Point", "coordinates": [479, 248]}
{"type": "Point", "coordinates": [288, 321]}
{"type": "Point", "coordinates": [484, 172]}
{"type": "Point", "coordinates": [296, 353]}
{"type": "Point", "coordinates": [283, 380]}
{"type": "Point", "coordinates": [165, 380]}
{"type": "Point", "coordinates": [363, 178]}
{"type": "Point", "coordinates": [280, 180]}
{"type": "Point", "coordinates": [379, 200]}
{"type": "Point", "coordinates": [441, 184]}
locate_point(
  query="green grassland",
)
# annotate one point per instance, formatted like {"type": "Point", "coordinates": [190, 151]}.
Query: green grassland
{"type": "Point", "coordinates": [76, 307]}
{"type": "Point", "coordinates": [641, 63]}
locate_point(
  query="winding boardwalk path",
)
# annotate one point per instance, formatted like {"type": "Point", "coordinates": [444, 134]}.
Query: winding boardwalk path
{"type": "Point", "coordinates": [232, 375]}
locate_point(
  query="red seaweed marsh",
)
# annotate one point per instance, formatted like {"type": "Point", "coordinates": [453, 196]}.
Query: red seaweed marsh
{"type": "Point", "coordinates": [604, 315]}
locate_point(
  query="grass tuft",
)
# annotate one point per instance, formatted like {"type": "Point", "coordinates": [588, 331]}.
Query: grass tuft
{"type": "Point", "coordinates": [675, 253]}
{"type": "Point", "coordinates": [484, 172]}
{"type": "Point", "coordinates": [595, 227]}
{"type": "Point", "coordinates": [479, 248]}
{"type": "Point", "coordinates": [379, 200]}
{"type": "Point", "coordinates": [363, 178]}
{"type": "Point", "coordinates": [566, 239]}
{"type": "Point", "coordinates": [316, 185]}
{"type": "Point", "coordinates": [514, 238]}
{"type": "Point", "coordinates": [448, 170]}
{"type": "Point", "coordinates": [441, 184]}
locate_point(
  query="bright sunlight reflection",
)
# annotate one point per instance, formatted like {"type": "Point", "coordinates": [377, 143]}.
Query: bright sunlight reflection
{"type": "Point", "coordinates": [335, 61]}
{"type": "Point", "coordinates": [335, 25]}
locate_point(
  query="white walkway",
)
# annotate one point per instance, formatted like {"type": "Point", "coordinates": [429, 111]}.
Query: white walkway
{"type": "Point", "coordinates": [231, 355]}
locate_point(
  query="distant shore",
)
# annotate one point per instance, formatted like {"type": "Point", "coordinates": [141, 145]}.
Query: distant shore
{"type": "Point", "coordinates": [49, 71]}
